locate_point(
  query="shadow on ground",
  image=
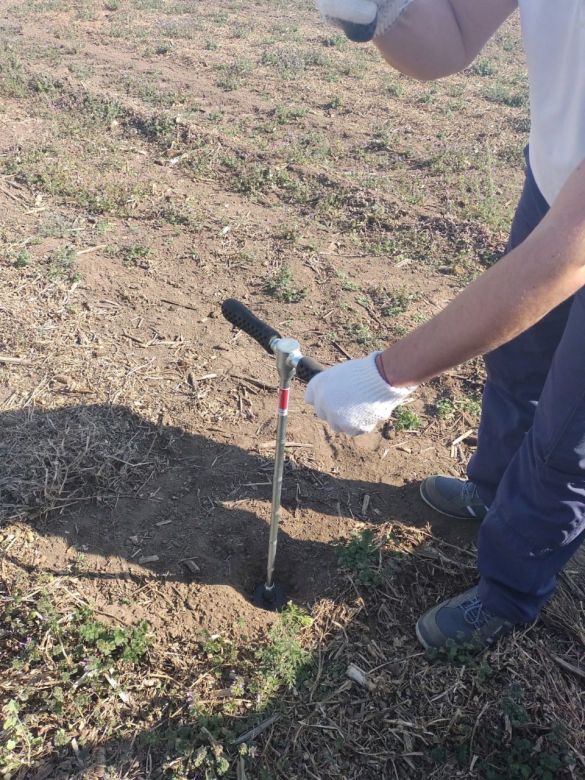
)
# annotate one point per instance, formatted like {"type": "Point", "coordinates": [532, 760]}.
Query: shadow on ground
{"type": "Point", "coordinates": [184, 506]}
{"type": "Point", "coordinates": [149, 517]}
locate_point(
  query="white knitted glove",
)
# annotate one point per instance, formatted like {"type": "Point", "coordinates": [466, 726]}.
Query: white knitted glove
{"type": "Point", "coordinates": [363, 13]}
{"type": "Point", "coordinates": [352, 397]}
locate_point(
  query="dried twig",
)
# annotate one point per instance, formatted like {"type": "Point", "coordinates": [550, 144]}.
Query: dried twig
{"type": "Point", "coordinates": [257, 730]}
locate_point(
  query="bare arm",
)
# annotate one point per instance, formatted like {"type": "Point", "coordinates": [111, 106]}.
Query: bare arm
{"type": "Point", "coordinates": [434, 38]}
{"type": "Point", "coordinates": [506, 300]}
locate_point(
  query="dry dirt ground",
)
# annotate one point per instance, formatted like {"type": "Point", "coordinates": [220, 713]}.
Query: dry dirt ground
{"type": "Point", "coordinates": [155, 159]}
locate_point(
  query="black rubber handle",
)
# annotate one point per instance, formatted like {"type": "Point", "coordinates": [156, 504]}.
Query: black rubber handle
{"type": "Point", "coordinates": [307, 368]}
{"type": "Point", "coordinates": [240, 316]}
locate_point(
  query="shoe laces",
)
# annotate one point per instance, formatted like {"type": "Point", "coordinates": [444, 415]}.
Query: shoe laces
{"type": "Point", "coordinates": [475, 613]}
{"type": "Point", "coordinates": [470, 493]}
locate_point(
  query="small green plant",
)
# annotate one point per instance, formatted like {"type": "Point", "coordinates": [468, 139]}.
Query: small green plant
{"type": "Point", "coordinates": [546, 757]}
{"type": "Point", "coordinates": [498, 93]}
{"type": "Point", "coordinates": [447, 408]}
{"type": "Point", "coordinates": [13, 79]}
{"type": "Point", "coordinates": [195, 748]}
{"type": "Point", "coordinates": [177, 215]}
{"type": "Point", "coordinates": [361, 334]}
{"type": "Point", "coordinates": [284, 661]}
{"type": "Point", "coordinates": [405, 419]}
{"type": "Point", "coordinates": [336, 41]}
{"type": "Point", "coordinates": [234, 75]}
{"type": "Point", "coordinates": [483, 68]}
{"type": "Point", "coordinates": [396, 303]}
{"type": "Point", "coordinates": [241, 31]}
{"type": "Point", "coordinates": [284, 115]}
{"type": "Point", "coordinates": [61, 265]}
{"type": "Point", "coordinates": [393, 87]}
{"type": "Point", "coordinates": [22, 259]}
{"type": "Point", "coordinates": [109, 644]}
{"type": "Point", "coordinates": [84, 656]}
{"type": "Point", "coordinates": [360, 556]}
{"type": "Point", "coordinates": [458, 653]}
{"type": "Point", "coordinates": [513, 705]}
{"type": "Point", "coordinates": [220, 652]}
{"type": "Point", "coordinates": [281, 285]}
{"type": "Point", "coordinates": [135, 256]}
{"type": "Point", "coordinates": [101, 111]}
{"type": "Point", "coordinates": [471, 406]}
{"type": "Point", "coordinates": [346, 282]}
{"type": "Point", "coordinates": [17, 737]}
{"type": "Point", "coordinates": [45, 85]}
{"type": "Point", "coordinates": [335, 102]}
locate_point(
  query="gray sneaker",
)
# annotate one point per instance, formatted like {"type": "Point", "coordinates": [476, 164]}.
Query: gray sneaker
{"type": "Point", "coordinates": [461, 621]}
{"type": "Point", "coordinates": [453, 497]}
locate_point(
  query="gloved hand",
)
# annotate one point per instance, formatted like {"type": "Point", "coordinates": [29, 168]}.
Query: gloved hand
{"type": "Point", "coordinates": [353, 397]}
{"type": "Point", "coordinates": [362, 20]}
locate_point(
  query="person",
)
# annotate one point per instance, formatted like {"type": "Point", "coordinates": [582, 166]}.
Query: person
{"type": "Point", "coordinates": [525, 315]}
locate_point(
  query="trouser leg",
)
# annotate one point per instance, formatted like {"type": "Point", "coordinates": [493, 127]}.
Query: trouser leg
{"type": "Point", "coordinates": [537, 519]}
{"type": "Point", "coordinates": [516, 372]}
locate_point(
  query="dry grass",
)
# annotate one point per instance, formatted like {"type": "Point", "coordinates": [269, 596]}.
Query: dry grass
{"type": "Point", "coordinates": [510, 713]}
{"type": "Point", "coordinates": [55, 460]}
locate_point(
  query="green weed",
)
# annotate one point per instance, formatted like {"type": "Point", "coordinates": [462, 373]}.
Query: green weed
{"type": "Point", "coordinates": [164, 48]}
{"type": "Point", "coordinates": [483, 68]}
{"type": "Point", "coordinates": [405, 420]}
{"type": "Point", "coordinates": [108, 644]}
{"type": "Point", "coordinates": [336, 41]}
{"type": "Point", "coordinates": [284, 661]}
{"type": "Point", "coordinates": [135, 255]}
{"type": "Point", "coordinates": [284, 115]}
{"type": "Point", "coordinates": [522, 758]}
{"type": "Point", "coordinates": [281, 285]}
{"type": "Point", "coordinates": [291, 62]}
{"type": "Point", "coordinates": [22, 259]}
{"type": "Point", "coordinates": [82, 654]}
{"type": "Point", "coordinates": [498, 93]}
{"type": "Point", "coordinates": [61, 265]}
{"type": "Point", "coordinates": [346, 283]}
{"type": "Point", "coordinates": [45, 85]}
{"type": "Point", "coordinates": [457, 653]}
{"type": "Point", "coordinates": [13, 79]}
{"type": "Point", "coordinates": [393, 304]}
{"type": "Point", "coordinates": [361, 334]}
{"type": "Point", "coordinates": [234, 75]}
{"type": "Point", "coordinates": [393, 87]}
{"type": "Point", "coordinates": [335, 103]}
{"type": "Point", "coordinates": [360, 556]}
{"type": "Point", "coordinates": [447, 408]}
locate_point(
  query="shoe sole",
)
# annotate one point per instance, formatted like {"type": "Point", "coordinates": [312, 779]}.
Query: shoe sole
{"type": "Point", "coordinates": [420, 638]}
{"type": "Point", "coordinates": [428, 502]}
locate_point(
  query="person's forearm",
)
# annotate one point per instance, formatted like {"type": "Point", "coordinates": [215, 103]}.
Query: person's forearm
{"type": "Point", "coordinates": [434, 38]}
{"type": "Point", "coordinates": [505, 301]}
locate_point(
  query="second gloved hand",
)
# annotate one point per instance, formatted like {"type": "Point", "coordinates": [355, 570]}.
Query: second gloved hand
{"type": "Point", "coordinates": [353, 397]}
{"type": "Point", "coordinates": [361, 20]}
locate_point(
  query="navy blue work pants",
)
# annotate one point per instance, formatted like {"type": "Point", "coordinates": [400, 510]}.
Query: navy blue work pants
{"type": "Point", "coordinates": [530, 461]}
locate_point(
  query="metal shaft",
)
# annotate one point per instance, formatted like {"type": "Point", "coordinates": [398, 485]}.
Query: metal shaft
{"type": "Point", "coordinates": [285, 350]}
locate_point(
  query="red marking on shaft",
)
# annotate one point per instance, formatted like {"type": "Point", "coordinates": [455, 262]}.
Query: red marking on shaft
{"type": "Point", "coordinates": [283, 401]}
